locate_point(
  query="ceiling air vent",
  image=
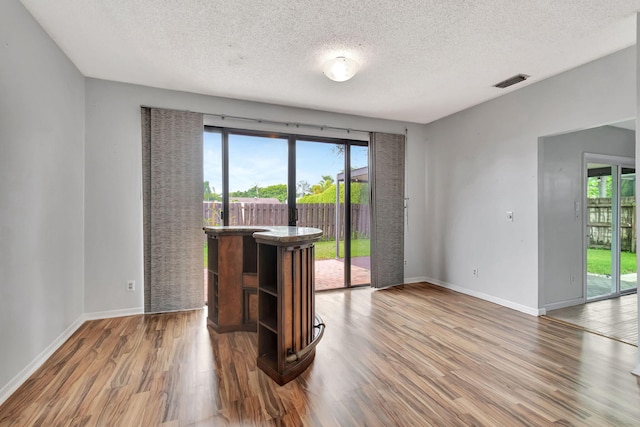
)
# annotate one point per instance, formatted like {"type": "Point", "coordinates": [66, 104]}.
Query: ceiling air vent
{"type": "Point", "coordinates": [511, 81]}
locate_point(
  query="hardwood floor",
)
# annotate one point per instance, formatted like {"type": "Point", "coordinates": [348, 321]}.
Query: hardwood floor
{"type": "Point", "coordinates": [412, 356]}
{"type": "Point", "coordinates": [616, 318]}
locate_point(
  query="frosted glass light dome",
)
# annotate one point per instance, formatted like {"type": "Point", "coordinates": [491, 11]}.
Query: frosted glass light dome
{"type": "Point", "coordinates": [340, 69]}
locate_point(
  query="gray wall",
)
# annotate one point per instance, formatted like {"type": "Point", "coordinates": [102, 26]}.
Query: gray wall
{"type": "Point", "coordinates": [41, 191]}
{"type": "Point", "coordinates": [482, 162]}
{"type": "Point", "coordinates": [561, 240]}
{"type": "Point", "coordinates": [113, 208]}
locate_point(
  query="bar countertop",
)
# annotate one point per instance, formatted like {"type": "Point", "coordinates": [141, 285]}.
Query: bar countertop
{"type": "Point", "coordinates": [276, 234]}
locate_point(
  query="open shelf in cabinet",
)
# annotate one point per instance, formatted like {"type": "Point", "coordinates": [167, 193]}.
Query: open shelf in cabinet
{"type": "Point", "coordinates": [213, 298]}
{"type": "Point", "coordinates": [267, 343]}
{"type": "Point", "coordinates": [268, 268]}
{"type": "Point", "coordinates": [249, 255]}
{"type": "Point", "coordinates": [268, 310]}
{"type": "Point", "coordinates": [286, 309]}
{"type": "Point", "coordinates": [212, 252]}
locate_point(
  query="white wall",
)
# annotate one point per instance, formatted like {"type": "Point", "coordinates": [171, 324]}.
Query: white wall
{"type": "Point", "coordinates": [41, 194]}
{"type": "Point", "coordinates": [482, 162]}
{"type": "Point", "coordinates": [113, 208]}
{"type": "Point", "coordinates": [561, 186]}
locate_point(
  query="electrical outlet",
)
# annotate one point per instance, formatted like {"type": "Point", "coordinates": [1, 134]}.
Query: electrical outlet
{"type": "Point", "coordinates": [510, 216]}
{"type": "Point", "coordinates": [131, 285]}
{"type": "Point", "coordinates": [572, 278]}
{"type": "Point", "coordinates": [405, 262]}
{"type": "Point", "coordinates": [475, 272]}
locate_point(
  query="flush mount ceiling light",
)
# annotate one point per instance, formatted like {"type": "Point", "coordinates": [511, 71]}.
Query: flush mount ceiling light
{"type": "Point", "coordinates": [340, 69]}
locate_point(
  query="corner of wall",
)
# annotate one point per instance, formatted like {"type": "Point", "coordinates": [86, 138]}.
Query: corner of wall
{"type": "Point", "coordinates": [22, 376]}
{"type": "Point", "coordinates": [114, 313]}
{"type": "Point", "coordinates": [505, 303]}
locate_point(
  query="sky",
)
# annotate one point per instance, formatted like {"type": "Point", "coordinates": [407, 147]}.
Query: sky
{"type": "Point", "coordinates": [263, 161]}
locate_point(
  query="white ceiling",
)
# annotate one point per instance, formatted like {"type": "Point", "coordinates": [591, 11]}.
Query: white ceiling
{"type": "Point", "coordinates": [420, 60]}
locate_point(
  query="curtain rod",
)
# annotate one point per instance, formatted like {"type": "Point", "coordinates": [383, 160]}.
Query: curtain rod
{"type": "Point", "coordinates": [288, 124]}
{"type": "Point", "coordinates": [296, 125]}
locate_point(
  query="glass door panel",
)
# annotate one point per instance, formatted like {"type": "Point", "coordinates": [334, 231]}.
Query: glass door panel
{"type": "Point", "coordinates": [258, 176]}
{"type": "Point", "coordinates": [601, 230]}
{"type": "Point", "coordinates": [212, 172]}
{"type": "Point", "coordinates": [360, 218]}
{"type": "Point", "coordinates": [628, 260]}
{"type": "Point", "coordinates": [319, 204]}
{"type": "Point", "coordinates": [212, 196]}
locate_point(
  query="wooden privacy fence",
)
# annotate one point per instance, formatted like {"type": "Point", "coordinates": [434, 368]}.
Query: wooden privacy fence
{"type": "Point", "coordinates": [599, 223]}
{"type": "Point", "coordinates": [317, 215]}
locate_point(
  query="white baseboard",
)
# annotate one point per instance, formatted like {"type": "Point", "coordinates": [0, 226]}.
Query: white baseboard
{"type": "Point", "coordinates": [563, 304]}
{"type": "Point", "coordinates": [24, 375]}
{"type": "Point", "coordinates": [415, 279]}
{"type": "Point", "coordinates": [114, 313]}
{"type": "Point", "coordinates": [503, 302]}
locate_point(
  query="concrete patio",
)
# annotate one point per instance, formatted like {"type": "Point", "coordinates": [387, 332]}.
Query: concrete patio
{"type": "Point", "coordinates": [330, 273]}
{"type": "Point", "coordinates": [599, 285]}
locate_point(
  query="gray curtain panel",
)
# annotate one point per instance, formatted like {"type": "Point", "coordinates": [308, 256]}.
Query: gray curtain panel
{"type": "Point", "coordinates": [172, 210]}
{"type": "Point", "coordinates": [386, 163]}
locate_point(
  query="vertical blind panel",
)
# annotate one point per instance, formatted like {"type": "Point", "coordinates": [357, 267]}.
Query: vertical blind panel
{"type": "Point", "coordinates": [174, 211]}
{"type": "Point", "coordinates": [146, 204]}
{"type": "Point", "coordinates": [387, 209]}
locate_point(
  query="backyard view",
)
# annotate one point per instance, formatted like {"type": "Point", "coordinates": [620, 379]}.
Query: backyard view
{"type": "Point", "coordinates": [600, 262]}
{"type": "Point", "coordinates": [611, 226]}
{"type": "Point", "coordinates": [259, 189]}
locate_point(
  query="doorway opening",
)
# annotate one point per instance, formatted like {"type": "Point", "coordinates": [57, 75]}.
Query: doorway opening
{"type": "Point", "coordinates": [588, 245]}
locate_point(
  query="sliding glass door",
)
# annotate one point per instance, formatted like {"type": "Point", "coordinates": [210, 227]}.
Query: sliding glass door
{"type": "Point", "coordinates": [628, 278]}
{"type": "Point", "coordinates": [320, 204]}
{"type": "Point", "coordinates": [360, 218]}
{"type": "Point", "coordinates": [255, 178]}
{"type": "Point", "coordinates": [611, 232]}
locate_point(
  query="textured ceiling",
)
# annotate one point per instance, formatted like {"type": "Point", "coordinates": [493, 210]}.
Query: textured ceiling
{"type": "Point", "coordinates": [420, 60]}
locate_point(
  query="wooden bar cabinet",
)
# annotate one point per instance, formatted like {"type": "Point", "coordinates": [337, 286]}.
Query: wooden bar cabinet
{"type": "Point", "coordinates": [262, 279]}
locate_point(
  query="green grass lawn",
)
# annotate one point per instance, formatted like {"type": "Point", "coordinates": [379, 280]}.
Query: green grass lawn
{"type": "Point", "coordinates": [327, 249]}
{"type": "Point", "coordinates": [599, 262]}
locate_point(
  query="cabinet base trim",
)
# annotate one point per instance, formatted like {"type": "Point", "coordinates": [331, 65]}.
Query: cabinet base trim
{"type": "Point", "coordinates": [292, 371]}
{"type": "Point", "coordinates": [247, 327]}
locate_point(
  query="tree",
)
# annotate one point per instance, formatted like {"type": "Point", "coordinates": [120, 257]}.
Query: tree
{"type": "Point", "coordinates": [207, 191]}
{"type": "Point", "coordinates": [277, 191]}
{"type": "Point", "coordinates": [251, 192]}
{"type": "Point", "coordinates": [628, 186]}
{"type": "Point", "coordinates": [303, 188]}
{"type": "Point", "coordinates": [359, 194]}
{"type": "Point", "coordinates": [593, 187]}
{"type": "Point", "coordinates": [327, 181]}
{"type": "Point", "coordinates": [209, 194]}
